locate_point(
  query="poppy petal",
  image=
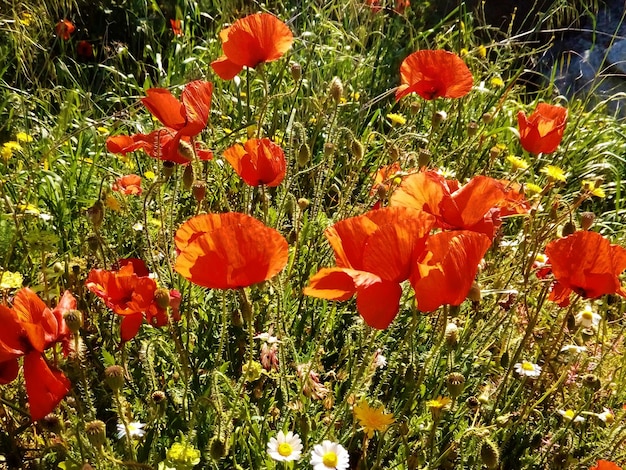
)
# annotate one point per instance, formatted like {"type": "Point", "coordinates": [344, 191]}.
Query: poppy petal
{"type": "Point", "coordinates": [542, 131]}
{"type": "Point", "coordinates": [196, 99]}
{"type": "Point", "coordinates": [338, 283]}
{"type": "Point", "coordinates": [130, 325]}
{"type": "Point", "coordinates": [225, 68]}
{"type": "Point", "coordinates": [8, 371]}
{"type": "Point", "coordinates": [379, 303]}
{"type": "Point", "coordinates": [165, 107]}
{"type": "Point", "coordinates": [45, 387]}
{"type": "Point", "coordinates": [11, 345]}
{"type": "Point", "coordinates": [423, 191]}
{"type": "Point", "coordinates": [447, 271]}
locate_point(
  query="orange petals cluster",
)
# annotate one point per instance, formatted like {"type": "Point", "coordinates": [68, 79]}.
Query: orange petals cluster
{"type": "Point", "coordinates": [605, 465]}
{"type": "Point", "coordinates": [229, 251]}
{"type": "Point", "coordinates": [130, 293]}
{"type": "Point", "coordinates": [29, 327]}
{"type": "Point", "coordinates": [65, 29]}
{"type": "Point", "coordinates": [434, 74]}
{"type": "Point", "coordinates": [250, 41]}
{"type": "Point", "coordinates": [182, 119]}
{"type": "Point", "coordinates": [478, 205]}
{"type": "Point", "coordinates": [258, 162]}
{"type": "Point", "coordinates": [542, 131]}
{"type": "Point", "coordinates": [177, 27]}
{"type": "Point", "coordinates": [585, 263]}
{"type": "Point", "coordinates": [128, 184]}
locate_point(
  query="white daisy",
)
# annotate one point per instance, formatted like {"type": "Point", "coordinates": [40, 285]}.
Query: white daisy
{"type": "Point", "coordinates": [329, 456]}
{"type": "Point", "coordinates": [135, 429]}
{"type": "Point", "coordinates": [528, 369]}
{"type": "Point", "coordinates": [606, 416]}
{"type": "Point", "coordinates": [573, 348]}
{"type": "Point", "coordinates": [285, 447]}
{"type": "Point", "coordinates": [570, 415]}
{"type": "Point", "coordinates": [587, 318]}
{"type": "Point", "coordinates": [380, 361]}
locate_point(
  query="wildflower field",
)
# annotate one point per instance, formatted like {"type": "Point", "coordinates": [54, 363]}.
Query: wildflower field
{"type": "Point", "coordinates": [304, 235]}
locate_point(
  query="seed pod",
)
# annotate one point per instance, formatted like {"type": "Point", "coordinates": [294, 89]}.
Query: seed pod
{"type": "Point", "coordinates": [162, 298]}
{"type": "Point", "coordinates": [472, 128]}
{"type": "Point", "coordinates": [167, 169]}
{"type": "Point", "coordinates": [73, 320]}
{"type": "Point", "coordinates": [198, 189]}
{"type": "Point", "coordinates": [296, 71]}
{"type": "Point", "coordinates": [336, 90]}
{"type": "Point", "coordinates": [357, 150]}
{"type": "Point", "coordinates": [304, 154]}
{"type": "Point", "coordinates": [586, 220]}
{"type": "Point", "coordinates": [303, 203]}
{"type": "Point", "coordinates": [423, 158]}
{"type": "Point", "coordinates": [217, 448]}
{"type": "Point", "coordinates": [474, 293]}
{"type": "Point", "coordinates": [568, 228]}
{"type": "Point", "coordinates": [114, 377]}
{"type": "Point", "coordinates": [489, 454]}
{"type": "Point", "coordinates": [96, 433]}
{"type": "Point", "coordinates": [438, 118]}
{"type": "Point", "coordinates": [95, 214]}
{"type": "Point", "coordinates": [455, 383]}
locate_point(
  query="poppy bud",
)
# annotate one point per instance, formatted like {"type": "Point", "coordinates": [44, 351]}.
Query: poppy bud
{"type": "Point", "coordinates": [472, 129]}
{"type": "Point", "coordinates": [587, 334]}
{"type": "Point", "coordinates": [186, 150]}
{"type": "Point", "coordinates": [303, 203]}
{"type": "Point", "coordinates": [494, 152]}
{"type": "Point", "coordinates": [423, 158]}
{"type": "Point", "coordinates": [167, 169]}
{"type": "Point", "coordinates": [303, 155]}
{"type": "Point", "coordinates": [162, 298]}
{"type": "Point", "coordinates": [487, 118]}
{"type": "Point", "coordinates": [93, 243]}
{"type": "Point", "coordinates": [586, 220]}
{"type": "Point", "coordinates": [438, 118]}
{"type": "Point", "coordinates": [73, 320]}
{"type": "Point", "coordinates": [329, 149]}
{"type": "Point", "coordinates": [591, 381]}
{"type": "Point", "coordinates": [217, 448]}
{"type": "Point", "coordinates": [51, 422]}
{"type": "Point", "coordinates": [568, 228]}
{"type": "Point", "coordinates": [489, 454]}
{"type": "Point", "coordinates": [114, 377]}
{"type": "Point", "coordinates": [455, 383]}
{"type": "Point", "coordinates": [96, 433]}
{"type": "Point", "coordinates": [336, 89]}
{"type": "Point", "coordinates": [415, 107]}
{"type": "Point", "coordinates": [451, 335]}
{"type": "Point", "coordinates": [95, 214]}
{"type": "Point", "coordinates": [474, 292]}
{"type": "Point", "coordinates": [296, 71]}
{"type": "Point", "coordinates": [357, 149]}
{"type": "Point", "coordinates": [199, 191]}
{"type": "Point", "coordinates": [188, 177]}
{"type": "Point", "coordinates": [236, 318]}
{"type": "Point", "coordinates": [158, 397]}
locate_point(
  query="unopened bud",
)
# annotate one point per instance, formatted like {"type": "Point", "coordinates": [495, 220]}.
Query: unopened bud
{"type": "Point", "coordinates": [423, 158]}
{"type": "Point", "coordinates": [586, 220]}
{"type": "Point", "coordinates": [96, 433]}
{"type": "Point", "coordinates": [188, 176]}
{"type": "Point", "coordinates": [487, 118]}
{"type": "Point", "coordinates": [472, 129]}
{"type": "Point", "coordinates": [185, 150]}
{"type": "Point", "coordinates": [474, 293]}
{"type": "Point", "coordinates": [489, 454]}
{"type": "Point", "coordinates": [93, 243]}
{"type": "Point", "coordinates": [329, 149]}
{"type": "Point", "coordinates": [95, 214]}
{"type": "Point", "coordinates": [357, 149]}
{"type": "Point", "coordinates": [568, 228]}
{"type": "Point", "coordinates": [415, 107]}
{"type": "Point", "coordinates": [162, 298]}
{"type": "Point", "coordinates": [438, 118]}
{"type": "Point", "coordinates": [304, 154]}
{"type": "Point", "coordinates": [303, 203]}
{"type": "Point", "coordinates": [336, 89]}
{"type": "Point", "coordinates": [217, 448]}
{"type": "Point", "coordinates": [114, 377]}
{"type": "Point", "coordinates": [73, 320]}
{"type": "Point", "coordinates": [296, 71]}
{"type": "Point", "coordinates": [494, 152]}
{"type": "Point", "coordinates": [168, 169]}
{"type": "Point", "coordinates": [198, 189]}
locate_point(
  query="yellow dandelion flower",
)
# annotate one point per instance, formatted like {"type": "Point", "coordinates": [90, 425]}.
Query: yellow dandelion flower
{"type": "Point", "coordinates": [372, 419]}
{"type": "Point", "coordinates": [13, 145]}
{"type": "Point", "coordinates": [355, 96]}
{"type": "Point", "coordinates": [313, 120]}
{"type": "Point", "coordinates": [532, 188]}
{"type": "Point", "coordinates": [11, 280]}
{"type": "Point", "coordinates": [590, 187]}
{"type": "Point", "coordinates": [497, 82]}
{"type": "Point", "coordinates": [554, 173]}
{"type": "Point", "coordinates": [6, 152]}
{"type": "Point", "coordinates": [463, 52]}
{"type": "Point", "coordinates": [517, 163]}
{"type": "Point", "coordinates": [482, 51]}
{"type": "Point", "coordinates": [23, 137]}
{"type": "Point", "coordinates": [243, 94]}
{"type": "Point", "coordinates": [228, 131]}
{"type": "Point", "coordinates": [398, 119]}
{"type": "Point", "coordinates": [102, 130]}
{"type": "Point", "coordinates": [437, 405]}
{"type": "Point", "coordinates": [26, 18]}
{"type": "Point", "coordinates": [149, 175]}
{"type": "Point", "coordinates": [113, 203]}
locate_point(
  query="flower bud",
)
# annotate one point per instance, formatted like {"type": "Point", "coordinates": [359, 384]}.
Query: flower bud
{"type": "Point", "coordinates": [336, 89]}
{"type": "Point", "coordinates": [586, 220]}
{"type": "Point", "coordinates": [304, 154]}
{"type": "Point", "coordinates": [114, 377]}
{"type": "Point", "coordinates": [198, 189]}
{"type": "Point", "coordinates": [568, 228]}
{"type": "Point", "coordinates": [303, 203]}
{"type": "Point", "coordinates": [188, 176]}
{"type": "Point", "coordinates": [296, 71]}
{"type": "Point", "coordinates": [95, 213]}
{"type": "Point", "coordinates": [472, 128]}
{"type": "Point", "coordinates": [217, 448]}
{"type": "Point", "coordinates": [487, 118]}
{"type": "Point", "coordinates": [186, 150]}
{"type": "Point", "coordinates": [329, 149]}
{"type": "Point", "coordinates": [489, 454]}
{"type": "Point", "coordinates": [167, 169]}
{"type": "Point", "coordinates": [73, 320]}
{"type": "Point", "coordinates": [474, 293]}
{"type": "Point", "coordinates": [93, 243]}
{"type": "Point", "coordinates": [96, 433]}
{"type": "Point", "coordinates": [415, 107]}
{"type": "Point", "coordinates": [438, 118]}
{"type": "Point", "coordinates": [451, 335]}
{"type": "Point", "coordinates": [423, 158]}
{"type": "Point", "coordinates": [357, 150]}
{"type": "Point", "coordinates": [162, 298]}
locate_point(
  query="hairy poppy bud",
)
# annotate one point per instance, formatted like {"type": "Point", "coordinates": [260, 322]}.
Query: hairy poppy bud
{"type": "Point", "coordinates": [303, 155]}
{"type": "Point", "coordinates": [586, 220]}
{"type": "Point", "coordinates": [329, 149]}
{"type": "Point", "coordinates": [303, 203]}
{"type": "Point", "coordinates": [73, 320]}
{"type": "Point", "coordinates": [217, 448]}
{"type": "Point", "coordinates": [489, 454]}
{"type": "Point", "coordinates": [568, 229]}
{"type": "Point", "coordinates": [487, 118]}
{"type": "Point", "coordinates": [93, 243]}
{"type": "Point", "coordinates": [96, 433]}
{"type": "Point", "coordinates": [198, 189]}
{"type": "Point", "coordinates": [296, 71]}
{"type": "Point", "coordinates": [472, 129]}
{"type": "Point", "coordinates": [162, 298]}
{"type": "Point", "coordinates": [336, 89]}
{"type": "Point", "coordinates": [114, 377]}
{"type": "Point", "coordinates": [95, 214]}
{"type": "Point", "coordinates": [167, 169]}
{"type": "Point", "coordinates": [186, 150]}
{"type": "Point", "coordinates": [188, 176]}
{"type": "Point", "coordinates": [357, 149]}
{"type": "Point", "coordinates": [474, 293]}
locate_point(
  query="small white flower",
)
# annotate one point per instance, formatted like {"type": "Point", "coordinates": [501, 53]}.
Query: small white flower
{"type": "Point", "coordinates": [138, 227]}
{"type": "Point", "coordinates": [587, 318]}
{"type": "Point", "coordinates": [135, 429]}
{"type": "Point", "coordinates": [570, 415]}
{"type": "Point", "coordinates": [285, 447]}
{"type": "Point", "coordinates": [380, 361]}
{"type": "Point", "coordinates": [573, 348]}
{"type": "Point", "coordinates": [606, 416]}
{"type": "Point", "coordinates": [268, 338]}
{"type": "Point", "coordinates": [528, 369]}
{"type": "Point", "coordinates": [329, 456]}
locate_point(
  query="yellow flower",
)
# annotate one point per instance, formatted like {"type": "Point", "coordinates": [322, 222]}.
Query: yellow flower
{"type": "Point", "coordinates": [113, 203]}
{"type": "Point", "coordinates": [149, 175]}
{"type": "Point", "coordinates": [396, 119]}
{"type": "Point", "coordinates": [464, 52]}
{"type": "Point", "coordinates": [497, 82]}
{"type": "Point", "coordinates": [11, 280]}
{"type": "Point", "coordinates": [26, 18]}
{"type": "Point", "coordinates": [355, 96]}
{"type": "Point", "coordinates": [251, 130]}
{"type": "Point", "coordinates": [102, 130]}
{"type": "Point", "coordinates": [23, 137]}
{"type": "Point", "coordinates": [6, 152]}
{"type": "Point", "coordinates": [554, 173]}
{"type": "Point", "coordinates": [591, 188]}
{"type": "Point", "coordinates": [517, 163]}
{"type": "Point", "coordinates": [13, 145]}
{"type": "Point", "coordinates": [372, 419]}
{"type": "Point", "coordinates": [532, 188]}
{"type": "Point", "coordinates": [482, 51]}
{"type": "Point", "coordinates": [437, 405]}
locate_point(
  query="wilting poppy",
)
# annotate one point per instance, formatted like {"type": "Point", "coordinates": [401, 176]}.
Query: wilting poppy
{"type": "Point", "coordinates": [176, 27]}
{"type": "Point", "coordinates": [374, 253]}
{"type": "Point", "coordinates": [542, 131]}
{"type": "Point", "coordinates": [29, 328]}
{"type": "Point", "coordinates": [64, 29]}
{"type": "Point", "coordinates": [160, 144]}
{"type": "Point", "coordinates": [605, 465]}
{"type": "Point", "coordinates": [258, 161]}
{"type": "Point", "coordinates": [478, 205]}
{"type": "Point", "coordinates": [84, 49]}
{"type": "Point", "coordinates": [447, 268]}
{"type": "Point", "coordinates": [434, 74]}
{"type": "Point", "coordinates": [585, 263]}
{"type": "Point", "coordinates": [129, 295]}
{"type": "Point", "coordinates": [228, 251]}
{"type": "Point", "coordinates": [250, 41]}
{"type": "Point", "coordinates": [128, 184]}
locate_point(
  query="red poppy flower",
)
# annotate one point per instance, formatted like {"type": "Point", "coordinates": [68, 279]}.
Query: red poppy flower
{"type": "Point", "coordinates": [374, 253]}
{"type": "Point", "coordinates": [258, 161]}
{"type": "Point", "coordinates": [479, 205]}
{"type": "Point", "coordinates": [447, 269]}
{"type": "Point", "coordinates": [434, 74]}
{"type": "Point", "coordinates": [64, 29]}
{"type": "Point", "coordinates": [160, 144]}
{"type": "Point", "coordinates": [587, 264]}
{"type": "Point", "coordinates": [128, 295]}
{"type": "Point", "coordinates": [605, 465]}
{"type": "Point", "coordinates": [28, 329]}
{"type": "Point", "coordinates": [84, 49]}
{"type": "Point", "coordinates": [239, 249]}
{"type": "Point", "coordinates": [542, 131]}
{"type": "Point", "coordinates": [251, 41]}
{"type": "Point", "coordinates": [128, 184]}
{"type": "Point", "coordinates": [176, 27]}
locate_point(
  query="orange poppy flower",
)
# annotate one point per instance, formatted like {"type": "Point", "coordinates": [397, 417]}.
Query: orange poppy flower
{"type": "Point", "coordinates": [160, 144]}
{"type": "Point", "coordinates": [251, 41]}
{"type": "Point", "coordinates": [84, 49]}
{"type": "Point", "coordinates": [239, 250]}
{"type": "Point", "coordinates": [128, 295]}
{"type": "Point", "coordinates": [128, 184]}
{"type": "Point", "coordinates": [374, 253]}
{"type": "Point", "coordinates": [258, 161]}
{"type": "Point", "coordinates": [447, 269]}
{"type": "Point", "coordinates": [585, 263]}
{"type": "Point", "coordinates": [434, 74]}
{"type": "Point", "coordinates": [28, 329]}
{"type": "Point", "coordinates": [64, 29]}
{"type": "Point", "coordinates": [176, 27]}
{"type": "Point", "coordinates": [383, 175]}
{"type": "Point", "coordinates": [605, 465]}
{"type": "Point", "coordinates": [542, 131]}
{"type": "Point", "coordinates": [478, 205]}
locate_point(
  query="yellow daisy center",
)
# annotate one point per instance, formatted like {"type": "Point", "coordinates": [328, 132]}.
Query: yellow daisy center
{"type": "Point", "coordinates": [330, 459]}
{"type": "Point", "coordinates": [529, 366]}
{"type": "Point", "coordinates": [587, 315]}
{"type": "Point", "coordinates": [285, 449]}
